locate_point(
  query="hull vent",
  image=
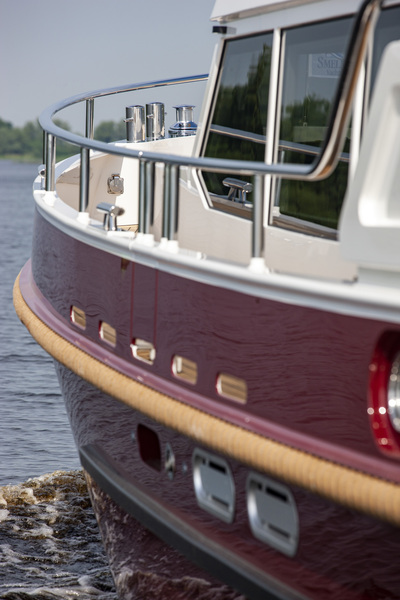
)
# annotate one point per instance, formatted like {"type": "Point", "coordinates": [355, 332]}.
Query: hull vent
{"type": "Point", "coordinates": [272, 514]}
{"type": "Point", "coordinates": [213, 485]}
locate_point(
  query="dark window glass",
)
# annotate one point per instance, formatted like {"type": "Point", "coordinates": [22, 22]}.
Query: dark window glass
{"type": "Point", "coordinates": [312, 66]}
{"type": "Point", "coordinates": [239, 118]}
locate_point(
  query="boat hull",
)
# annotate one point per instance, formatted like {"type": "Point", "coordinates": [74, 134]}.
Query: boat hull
{"type": "Point", "coordinates": [301, 440]}
{"type": "Point", "coordinates": [142, 564]}
{"type": "Point", "coordinates": [144, 513]}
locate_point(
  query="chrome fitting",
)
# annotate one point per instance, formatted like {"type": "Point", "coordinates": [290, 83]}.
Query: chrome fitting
{"type": "Point", "coordinates": [115, 184]}
{"type": "Point", "coordinates": [184, 121]}
{"type": "Point", "coordinates": [135, 123]}
{"type": "Point", "coordinates": [239, 187]}
{"type": "Point", "coordinates": [111, 212]}
{"type": "Point", "coordinates": [155, 121]}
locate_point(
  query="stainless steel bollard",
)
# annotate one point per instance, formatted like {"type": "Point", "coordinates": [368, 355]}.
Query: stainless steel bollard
{"type": "Point", "coordinates": [135, 125]}
{"type": "Point", "coordinates": [155, 121]}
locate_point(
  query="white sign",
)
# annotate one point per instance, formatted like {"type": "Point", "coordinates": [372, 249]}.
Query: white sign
{"type": "Point", "coordinates": [327, 65]}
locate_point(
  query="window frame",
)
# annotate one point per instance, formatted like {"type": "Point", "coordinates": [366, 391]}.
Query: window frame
{"type": "Point", "coordinates": [273, 126]}
{"type": "Point", "coordinates": [225, 205]}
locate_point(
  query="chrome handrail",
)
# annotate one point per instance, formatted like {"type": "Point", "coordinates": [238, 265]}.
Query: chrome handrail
{"type": "Point", "coordinates": [320, 168]}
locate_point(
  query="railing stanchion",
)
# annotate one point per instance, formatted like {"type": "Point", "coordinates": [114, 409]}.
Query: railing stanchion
{"type": "Point", "coordinates": [85, 158]}
{"type": "Point", "coordinates": [173, 201]}
{"type": "Point", "coordinates": [84, 180]}
{"type": "Point", "coordinates": [149, 196]}
{"type": "Point", "coordinates": [44, 147]}
{"type": "Point", "coordinates": [50, 162]}
{"type": "Point", "coordinates": [142, 194]}
{"type": "Point", "coordinates": [89, 125]}
{"type": "Point", "coordinates": [257, 245]}
{"type": "Point", "coordinates": [166, 200]}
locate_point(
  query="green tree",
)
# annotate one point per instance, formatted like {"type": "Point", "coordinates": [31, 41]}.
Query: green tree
{"type": "Point", "coordinates": [109, 131]}
{"type": "Point", "coordinates": [26, 143]}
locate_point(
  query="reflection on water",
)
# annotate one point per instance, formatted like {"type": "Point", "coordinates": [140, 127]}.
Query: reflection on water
{"type": "Point", "coordinates": [50, 544]}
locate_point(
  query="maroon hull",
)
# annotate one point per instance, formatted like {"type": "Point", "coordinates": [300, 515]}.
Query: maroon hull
{"type": "Point", "coordinates": [307, 370]}
{"type": "Point", "coordinates": [341, 554]}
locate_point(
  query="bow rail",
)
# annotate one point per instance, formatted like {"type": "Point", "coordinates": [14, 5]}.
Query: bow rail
{"type": "Point", "coordinates": [323, 165]}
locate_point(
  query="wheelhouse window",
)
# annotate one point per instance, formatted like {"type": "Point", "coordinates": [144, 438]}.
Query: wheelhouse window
{"type": "Point", "coordinates": [239, 117]}
{"type": "Point", "coordinates": [313, 57]}
{"type": "Point", "coordinates": [311, 63]}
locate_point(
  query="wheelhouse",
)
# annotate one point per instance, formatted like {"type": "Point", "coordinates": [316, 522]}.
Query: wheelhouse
{"type": "Point", "coordinates": [272, 97]}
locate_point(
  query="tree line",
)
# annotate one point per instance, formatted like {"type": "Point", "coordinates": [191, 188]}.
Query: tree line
{"type": "Point", "coordinates": [26, 143]}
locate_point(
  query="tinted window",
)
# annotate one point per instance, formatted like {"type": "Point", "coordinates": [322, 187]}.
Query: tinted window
{"type": "Point", "coordinates": [312, 66]}
{"type": "Point", "coordinates": [238, 121]}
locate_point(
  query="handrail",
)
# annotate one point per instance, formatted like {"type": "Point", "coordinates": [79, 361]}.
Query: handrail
{"type": "Point", "coordinates": [320, 168]}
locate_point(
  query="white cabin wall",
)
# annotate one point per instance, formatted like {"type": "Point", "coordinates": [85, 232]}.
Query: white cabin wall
{"type": "Point", "coordinates": [209, 231]}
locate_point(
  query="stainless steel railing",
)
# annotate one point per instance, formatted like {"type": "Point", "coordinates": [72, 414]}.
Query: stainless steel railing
{"type": "Point", "coordinates": [321, 168]}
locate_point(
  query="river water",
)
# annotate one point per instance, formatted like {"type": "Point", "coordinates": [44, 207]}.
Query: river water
{"type": "Point", "coordinates": [49, 542]}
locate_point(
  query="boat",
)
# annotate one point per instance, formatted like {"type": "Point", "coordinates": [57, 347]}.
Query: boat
{"type": "Point", "coordinates": [220, 295]}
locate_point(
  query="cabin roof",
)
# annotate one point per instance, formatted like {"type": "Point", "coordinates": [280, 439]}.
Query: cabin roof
{"type": "Point", "coordinates": [229, 10]}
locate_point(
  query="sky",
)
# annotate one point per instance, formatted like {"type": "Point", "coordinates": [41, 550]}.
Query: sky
{"type": "Point", "coordinates": [53, 49]}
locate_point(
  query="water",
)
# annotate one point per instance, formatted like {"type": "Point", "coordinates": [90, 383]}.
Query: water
{"type": "Point", "coordinates": [49, 542]}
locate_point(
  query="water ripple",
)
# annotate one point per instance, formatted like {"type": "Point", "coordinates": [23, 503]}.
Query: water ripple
{"type": "Point", "coordinates": [50, 541]}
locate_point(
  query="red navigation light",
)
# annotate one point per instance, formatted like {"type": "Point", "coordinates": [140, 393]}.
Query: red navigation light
{"type": "Point", "coordinates": [384, 394]}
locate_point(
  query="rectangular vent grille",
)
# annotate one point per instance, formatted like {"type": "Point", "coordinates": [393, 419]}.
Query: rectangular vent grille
{"type": "Point", "coordinates": [272, 514]}
{"type": "Point", "coordinates": [213, 485]}
{"type": "Point", "coordinates": [108, 334]}
{"type": "Point", "coordinates": [232, 387]}
{"type": "Point", "coordinates": [143, 350]}
{"type": "Point", "coordinates": [78, 317]}
{"type": "Point", "coordinates": [185, 369]}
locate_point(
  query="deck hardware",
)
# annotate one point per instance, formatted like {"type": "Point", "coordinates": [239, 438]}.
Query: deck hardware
{"type": "Point", "coordinates": [169, 464]}
{"type": "Point", "coordinates": [213, 485]}
{"type": "Point", "coordinates": [78, 317]}
{"type": "Point", "coordinates": [108, 334]}
{"type": "Point", "coordinates": [115, 184]}
{"type": "Point", "coordinates": [184, 121]}
{"type": "Point", "coordinates": [272, 513]}
{"type": "Point", "coordinates": [185, 369]}
{"type": "Point", "coordinates": [111, 212]}
{"type": "Point", "coordinates": [238, 189]}
{"type": "Point", "coordinates": [42, 174]}
{"type": "Point", "coordinates": [155, 121]}
{"type": "Point", "coordinates": [135, 123]}
{"type": "Point", "coordinates": [143, 350]}
{"type": "Point", "coordinates": [232, 388]}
